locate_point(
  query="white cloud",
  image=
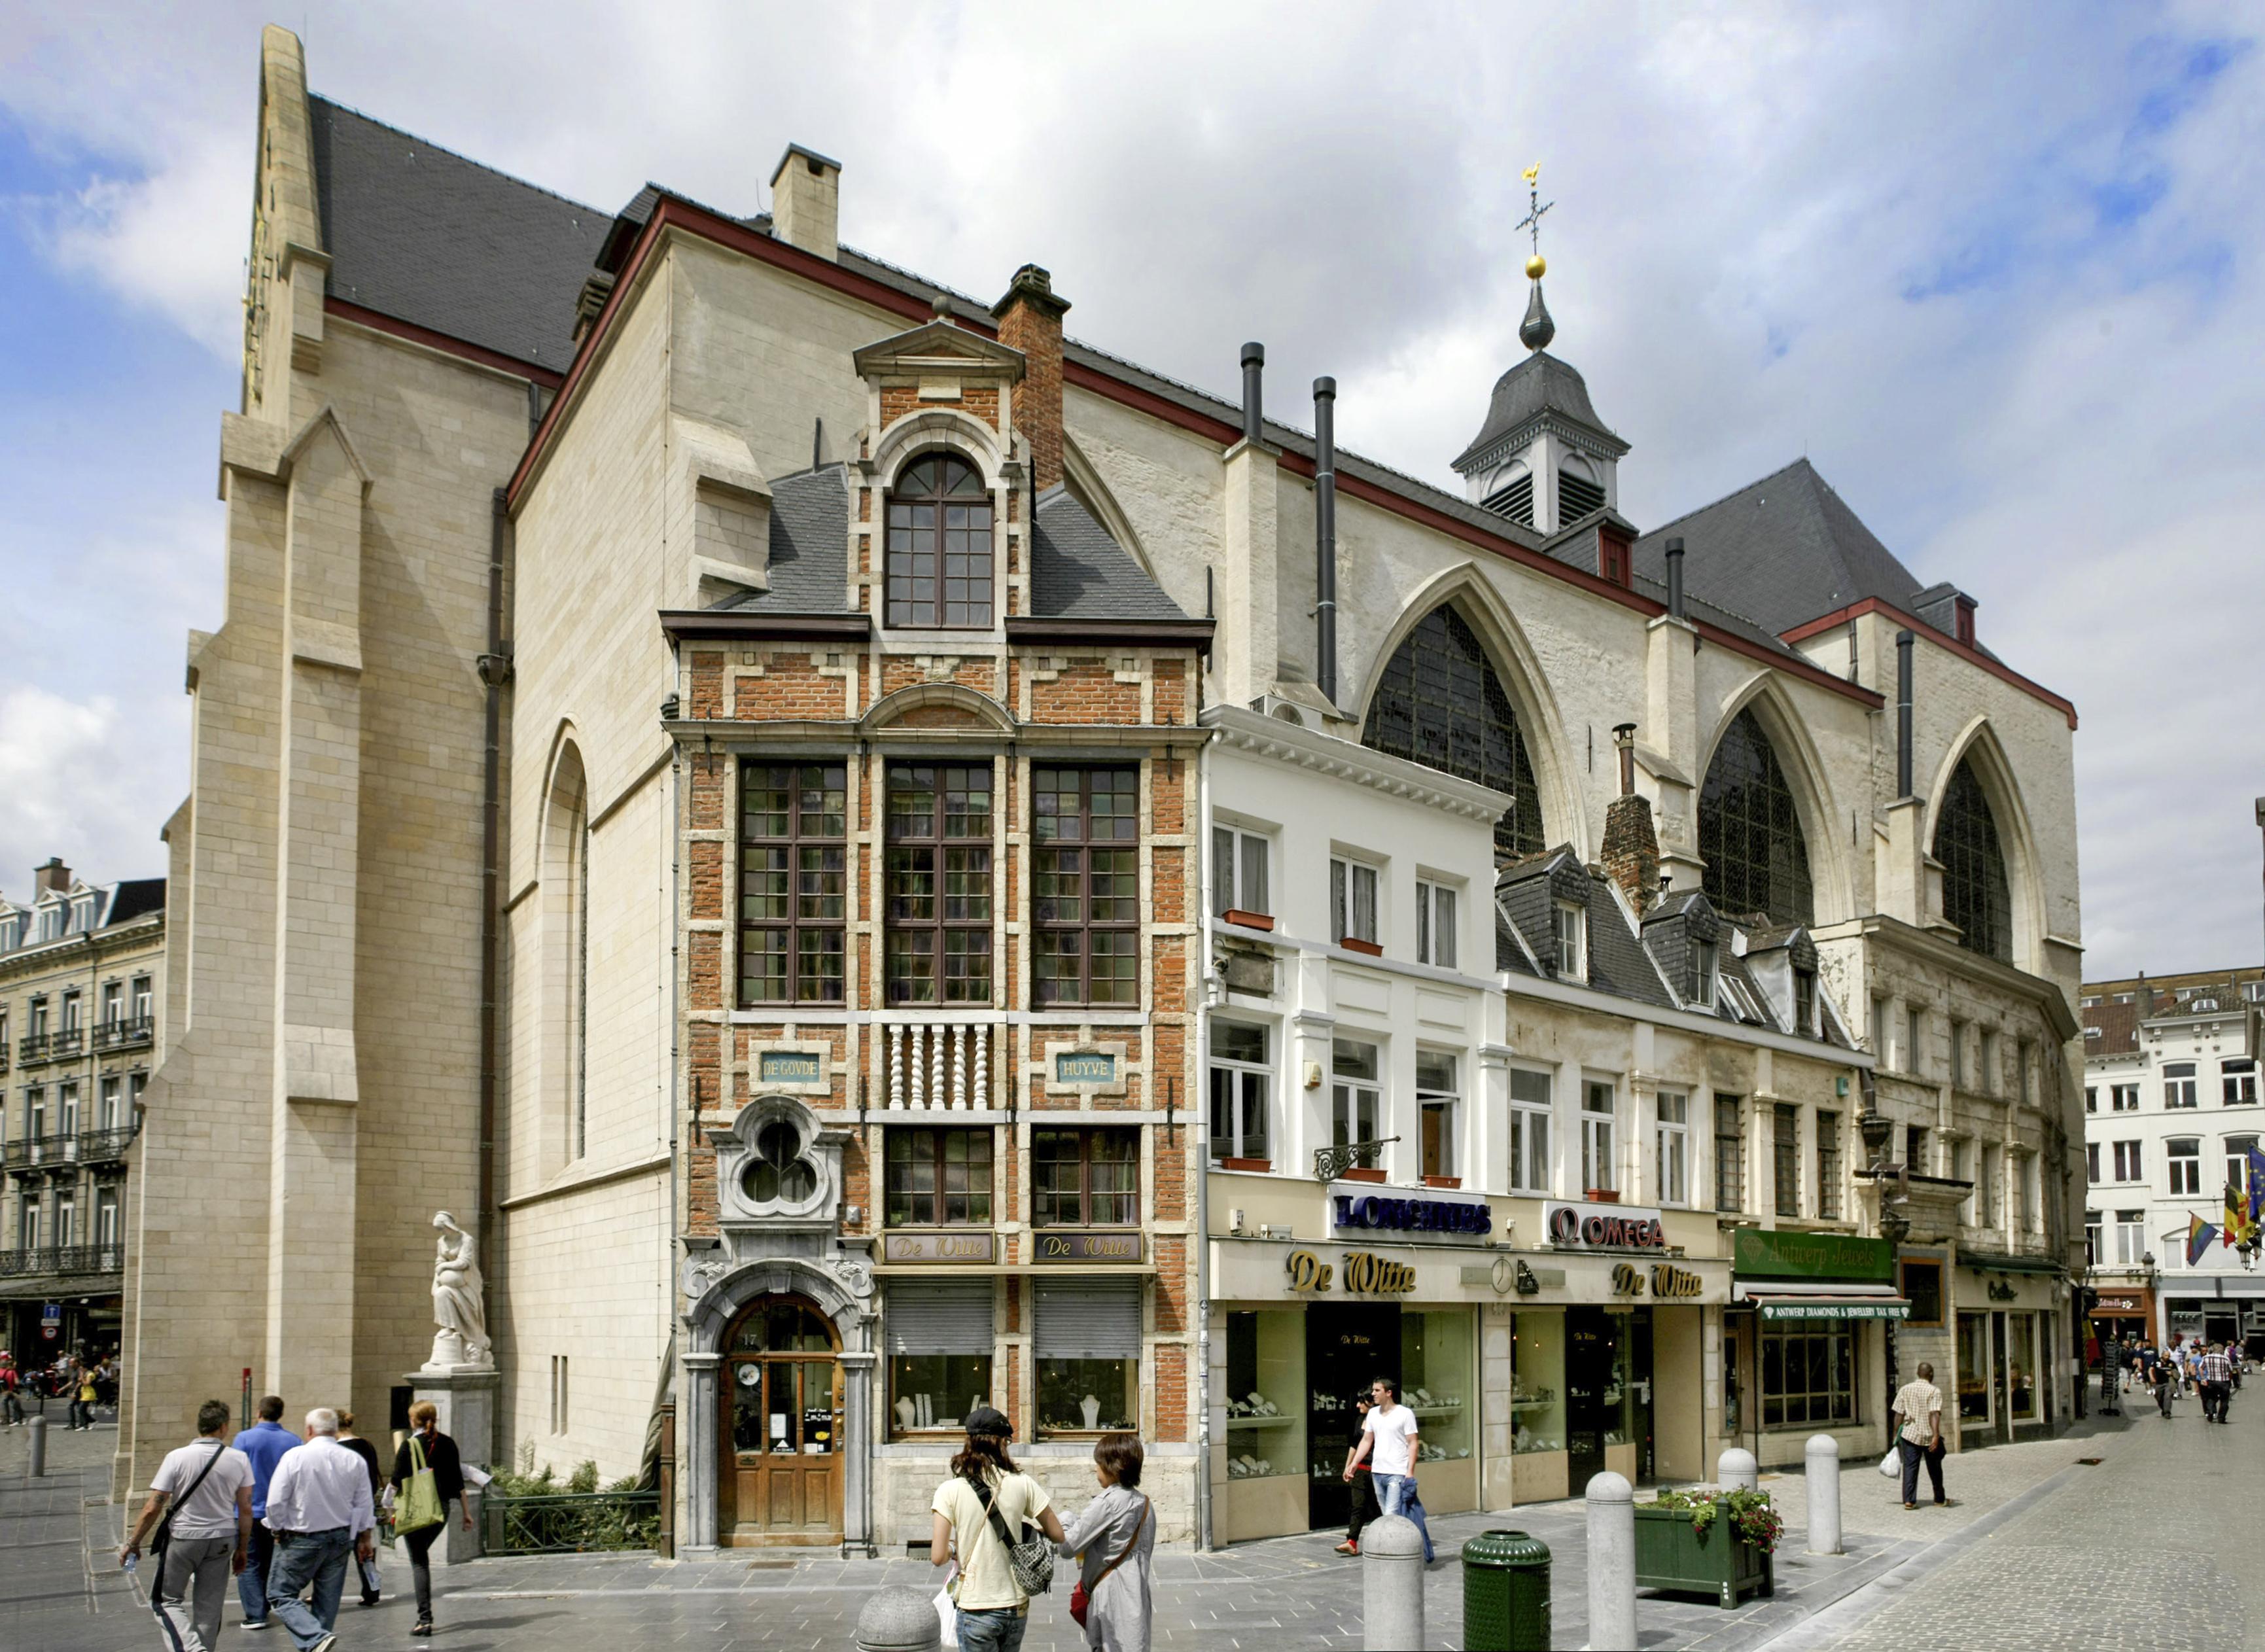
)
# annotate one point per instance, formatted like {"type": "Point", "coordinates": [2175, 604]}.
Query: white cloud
{"type": "Point", "coordinates": [71, 783]}
{"type": "Point", "coordinates": [1910, 243]}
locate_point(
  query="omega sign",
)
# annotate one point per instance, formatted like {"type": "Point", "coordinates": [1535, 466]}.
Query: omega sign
{"type": "Point", "coordinates": [1603, 1227]}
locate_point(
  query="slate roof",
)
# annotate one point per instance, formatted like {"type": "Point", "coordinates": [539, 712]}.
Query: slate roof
{"type": "Point", "coordinates": [133, 897]}
{"type": "Point", "coordinates": [1781, 550]}
{"type": "Point", "coordinates": [1540, 383]}
{"type": "Point", "coordinates": [424, 236]}
{"type": "Point", "coordinates": [809, 552]}
{"type": "Point", "coordinates": [1078, 572]}
{"type": "Point", "coordinates": [1525, 894]}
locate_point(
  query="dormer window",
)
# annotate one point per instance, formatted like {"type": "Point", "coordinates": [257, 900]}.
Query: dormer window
{"type": "Point", "coordinates": [1572, 924]}
{"type": "Point", "coordinates": [939, 549]}
{"type": "Point", "coordinates": [1804, 1002]}
{"type": "Point", "coordinates": [1700, 988]}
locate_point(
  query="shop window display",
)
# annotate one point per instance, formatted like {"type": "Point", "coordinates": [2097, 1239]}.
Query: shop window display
{"type": "Point", "coordinates": [1537, 1382]}
{"type": "Point", "coordinates": [1266, 1403]}
{"type": "Point", "coordinates": [1973, 1368]}
{"type": "Point", "coordinates": [1079, 1395]}
{"type": "Point", "coordinates": [2021, 1372]}
{"type": "Point", "coordinates": [1809, 1374]}
{"type": "Point", "coordinates": [936, 1391]}
{"type": "Point", "coordinates": [1436, 1370]}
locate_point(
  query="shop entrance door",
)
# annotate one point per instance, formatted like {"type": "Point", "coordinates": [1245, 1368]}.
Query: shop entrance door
{"type": "Point", "coordinates": [780, 1479]}
{"type": "Point", "coordinates": [1607, 1384]}
{"type": "Point", "coordinates": [1348, 1346]}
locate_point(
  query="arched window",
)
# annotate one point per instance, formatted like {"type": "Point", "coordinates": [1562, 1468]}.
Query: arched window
{"type": "Point", "coordinates": [565, 944]}
{"type": "Point", "coordinates": [1750, 832]}
{"type": "Point", "coordinates": [939, 552]}
{"type": "Point", "coordinates": [1441, 704]}
{"type": "Point", "coordinates": [1976, 896]}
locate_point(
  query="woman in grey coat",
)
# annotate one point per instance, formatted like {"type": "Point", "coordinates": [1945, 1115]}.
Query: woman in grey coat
{"type": "Point", "coordinates": [1115, 1541]}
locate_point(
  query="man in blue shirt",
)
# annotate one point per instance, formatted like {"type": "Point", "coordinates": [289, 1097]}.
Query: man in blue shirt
{"type": "Point", "coordinates": [264, 1444]}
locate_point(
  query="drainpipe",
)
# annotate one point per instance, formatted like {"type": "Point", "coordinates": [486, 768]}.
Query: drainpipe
{"type": "Point", "coordinates": [1325, 538]}
{"type": "Point", "coordinates": [1200, 1388]}
{"type": "Point", "coordinates": [495, 674]}
{"type": "Point", "coordinates": [1903, 714]}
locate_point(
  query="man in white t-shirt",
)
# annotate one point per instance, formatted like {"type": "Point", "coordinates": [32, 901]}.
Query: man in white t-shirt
{"type": "Point", "coordinates": [210, 1535]}
{"type": "Point", "coordinates": [1389, 1444]}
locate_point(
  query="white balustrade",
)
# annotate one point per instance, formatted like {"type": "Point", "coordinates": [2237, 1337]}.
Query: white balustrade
{"type": "Point", "coordinates": [928, 1063]}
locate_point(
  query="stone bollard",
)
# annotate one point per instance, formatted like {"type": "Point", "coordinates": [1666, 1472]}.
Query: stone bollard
{"type": "Point", "coordinates": [1392, 1584]}
{"type": "Point", "coordinates": [1611, 1562]}
{"type": "Point", "coordinates": [39, 1427]}
{"type": "Point", "coordinates": [1736, 1471]}
{"type": "Point", "coordinates": [899, 1620]}
{"type": "Point", "coordinates": [1824, 1467]}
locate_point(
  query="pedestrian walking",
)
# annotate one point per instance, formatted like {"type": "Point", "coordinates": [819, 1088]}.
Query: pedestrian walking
{"type": "Point", "coordinates": [318, 1507]}
{"type": "Point", "coordinates": [207, 1484]}
{"type": "Point", "coordinates": [986, 1502]}
{"type": "Point", "coordinates": [1388, 1442]}
{"type": "Point", "coordinates": [1114, 1542]}
{"type": "Point", "coordinates": [83, 1394]}
{"type": "Point", "coordinates": [1918, 1403]}
{"type": "Point", "coordinates": [427, 1450]}
{"type": "Point", "coordinates": [2215, 1372]}
{"type": "Point", "coordinates": [10, 1383]}
{"type": "Point", "coordinates": [367, 1452]}
{"type": "Point", "coordinates": [264, 1444]}
{"type": "Point", "coordinates": [1365, 1506]}
{"type": "Point", "coordinates": [2162, 1377]}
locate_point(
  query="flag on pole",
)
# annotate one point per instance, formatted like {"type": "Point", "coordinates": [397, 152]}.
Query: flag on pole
{"type": "Point", "coordinates": [2237, 1209]}
{"type": "Point", "coordinates": [2199, 1234]}
{"type": "Point", "coordinates": [2256, 1184]}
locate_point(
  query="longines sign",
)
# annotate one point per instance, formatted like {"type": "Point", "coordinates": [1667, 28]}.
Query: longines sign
{"type": "Point", "coordinates": [1436, 1213]}
{"type": "Point", "coordinates": [1603, 1227]}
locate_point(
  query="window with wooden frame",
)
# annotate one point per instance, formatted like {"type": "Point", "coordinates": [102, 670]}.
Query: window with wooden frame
{"type": "Point", "coordinates": [938, 947]}
{"type": "Point", "coordinates": [938, 1178]}
{"type": "Point", "coordinates": [793, 882]}
{"type": "Point", "coordinates": [939, 546]}
{"type": "Point", "coordinates": [1085, 1178]}
{"type": "Point", "coordinates": [1085, 890]}
{"type": "Point", "coordinates": [1922, 1282]}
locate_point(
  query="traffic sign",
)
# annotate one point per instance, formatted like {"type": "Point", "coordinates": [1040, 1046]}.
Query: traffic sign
{"type": "Point", "coordinates": [51, 1331]}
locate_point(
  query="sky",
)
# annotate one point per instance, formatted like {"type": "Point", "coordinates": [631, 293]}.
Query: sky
{"type": "Point", "coordinates": [1998, 271]}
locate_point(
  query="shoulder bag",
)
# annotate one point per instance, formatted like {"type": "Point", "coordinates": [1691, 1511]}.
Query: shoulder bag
{"type": "Point", "coordinates": [419, 1503]}
{"type": "Point", "coordinates": [1032, 1558]}
{"type": "Point", "coordinates": [1081, 1601]}
{"type": "Point", "coordinates": [164, 1535]}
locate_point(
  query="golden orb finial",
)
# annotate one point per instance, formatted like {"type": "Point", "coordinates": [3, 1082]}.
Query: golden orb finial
{"type": "Point", "coordinates": [1535, 267]}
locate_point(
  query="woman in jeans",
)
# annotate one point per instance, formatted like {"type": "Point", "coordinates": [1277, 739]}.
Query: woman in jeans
{"type": "Point", "coordinates": [1115, 1543]}
{"type": "Point", "coordinates": [993, 1611]}
{"type": "Point", "coordinates": [447, 1479]}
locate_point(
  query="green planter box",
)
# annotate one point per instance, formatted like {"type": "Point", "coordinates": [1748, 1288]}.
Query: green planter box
{"type": "Point", "coordinates": [1669, 1554]}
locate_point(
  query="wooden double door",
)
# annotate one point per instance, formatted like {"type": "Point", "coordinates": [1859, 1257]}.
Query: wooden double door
{"type": "Point", "coordinates": [781, 1479]}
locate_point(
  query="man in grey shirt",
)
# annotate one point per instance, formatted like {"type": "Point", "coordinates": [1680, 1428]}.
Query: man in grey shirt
{"type": "Point", "coordinates": [208, 1484]}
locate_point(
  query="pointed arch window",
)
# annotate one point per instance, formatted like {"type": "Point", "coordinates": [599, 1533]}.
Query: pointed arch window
{"type": "Point", "coordinates": [1976, 896]}
{"type": "Point", "coordinates": [1750, 831]}
{"type": "Point", "coordinates": [939, 551]}
{"type": "Point", "coordinates": [1441, 704]}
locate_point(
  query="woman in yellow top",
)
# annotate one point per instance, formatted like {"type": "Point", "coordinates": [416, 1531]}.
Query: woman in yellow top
{"type": "Point", "coordinates": [993, 1611]}
{"type": "Point", "coordinates": [83, 1396]}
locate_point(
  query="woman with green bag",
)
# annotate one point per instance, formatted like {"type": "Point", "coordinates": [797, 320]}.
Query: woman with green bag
{"type": "Point", "coordinates": [426, 1474]}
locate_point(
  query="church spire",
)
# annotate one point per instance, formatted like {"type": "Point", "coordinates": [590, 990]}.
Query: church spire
{"type": "Point", "coordinates": [1537, 330]}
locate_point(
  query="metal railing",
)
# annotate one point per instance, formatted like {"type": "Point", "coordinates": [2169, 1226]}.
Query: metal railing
{"type": "Point", "coordinates": [63, 1259]}
{"type": "Point", "coordinates": [129, 1034]}
{"type": "Point", "coordinates": [569, 1523]}
{"type": "Point", "coordinates": [84, 1146]}
{"type": "Point", "coordinates": [103, 1146]}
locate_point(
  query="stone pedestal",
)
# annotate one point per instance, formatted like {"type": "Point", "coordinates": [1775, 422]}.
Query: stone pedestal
{"type": "Point", "coordinates": [466, 1401]}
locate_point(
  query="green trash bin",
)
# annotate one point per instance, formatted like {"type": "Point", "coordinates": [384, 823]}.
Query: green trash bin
{"type": "Point", "coordinates": [1505, 1593]}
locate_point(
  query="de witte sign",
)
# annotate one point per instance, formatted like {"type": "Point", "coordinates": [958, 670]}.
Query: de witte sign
{"type": "Point", "coordinates": [1087, 1248]}
{"type": "Point", "coordinates": [938, 1247]}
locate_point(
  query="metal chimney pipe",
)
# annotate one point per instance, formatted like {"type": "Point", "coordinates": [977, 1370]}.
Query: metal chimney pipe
{"type": "Point", "coordinates": [1675, 577]}
{"type": "Point", "coordinates": [1624, 738]}
{"type": "Point", "coordinates": [1903, 714]}
{"type": "Point", "coordinates": [1254, 367]}
{"type": "Point", "coordinates": [1325, 538]}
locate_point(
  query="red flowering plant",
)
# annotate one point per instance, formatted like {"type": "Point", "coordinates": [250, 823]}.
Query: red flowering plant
{"type": "Point", "coordinates": [1752, 1515]}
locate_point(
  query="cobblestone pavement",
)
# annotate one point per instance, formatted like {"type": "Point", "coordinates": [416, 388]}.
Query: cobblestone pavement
{"type": "Point", "coordinates": [2032, 1535]}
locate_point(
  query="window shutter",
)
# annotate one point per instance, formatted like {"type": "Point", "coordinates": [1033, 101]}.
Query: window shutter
{"type": "Point", "coordinates": [940, 1316]}
{"type": "Point", "coordinates": [1088, 1319]}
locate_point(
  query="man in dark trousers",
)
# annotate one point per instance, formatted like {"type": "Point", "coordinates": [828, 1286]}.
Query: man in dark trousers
{"type": "Point", "coordinates": [1365, 1506]}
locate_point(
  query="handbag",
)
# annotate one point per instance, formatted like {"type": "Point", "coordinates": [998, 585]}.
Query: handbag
{"type": "Point", "coordinates": [1032, 1558]}
{"type": "Point", "coordinates": [1081, 1601]}
{"type": "Point", "coordinates": [419, 1503]}
{"type": "Point", "coordinates": [164, 1535]}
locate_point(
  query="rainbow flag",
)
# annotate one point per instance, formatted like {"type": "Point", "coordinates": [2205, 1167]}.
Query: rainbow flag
{"type": "Point", "coordinates": [2199, 1236]}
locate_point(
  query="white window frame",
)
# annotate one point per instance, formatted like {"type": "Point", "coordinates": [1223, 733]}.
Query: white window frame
{"type": "Point", "coordinates": [2095, 1237]}
{"type": "Point", "coordinates": [1436, 930]}
{"type": "Point", "coordinates": [1671, 1147]}
{"type": "Point", "coordinates": [2129, 1162]}
{"type": "Point", "coordinates": [2181, 1086]}
{"type": "Point", "coordinates": [1234, 850]}
{"type": "Point", "coordinates": [2092, 1098]}
{"type": "Point", "coordinates": [2092, 1163]}
{"type": "Point", "coordinates": [1242, 1075]}
{"type": "Point", "coordinates": [106, 1217]}
{"type": "Point", "coordinates": [1430, 1098]}
{"type": "Point", "coordinates": [1351, 881]}
{"type": "Point", "coordinates": [2237, 1078]}
{"type": "Point", "coordinates": [66, 1219]}
{"type": "Point", "coordinates": [2131, 1237]}
{"type": "Point", "coordinates": [1570, 925]}
{"type": "Point", "coordinates": [143, 997]}
{"type": "Point", "coordinates": [67, 1106]}
{"type": "Point", "coordinates": [2185, 1166]}
{"type": "Point", "coordinates": [109, 1107]}
{"type": "Point", "coordinates": [1598, 1168]}
{"type": "Point", "coordinates": [113, 1002]}
{"type": "Point", "coordinates": [1356, 1100]}
{"type": "Point", "coordinates": [2237, 1160]}
{"type": "Point", "coordinates": [1531, 1122]}
{"type": "Point", "coordinates": [1705, 967]}
{"type": "Point", "coordinates": [2122, 1098]}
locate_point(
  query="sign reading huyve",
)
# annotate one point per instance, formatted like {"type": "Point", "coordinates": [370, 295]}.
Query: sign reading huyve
{"type": "Point", "coordinates": [1085, 1066]}
{"type": "Point", "coordinates": [1603, 1227]}
{"type": "Point", "coordinates": [1087, 1248]}
{"type": "Point", "coordinates": [788, 1066]}
{"type": "Point", "coordinates": [1766, 1255]}
{"type": "Point", "coordinates": [1426, 1215]}
{"type": "Point", "coordinates": [938, 1247]}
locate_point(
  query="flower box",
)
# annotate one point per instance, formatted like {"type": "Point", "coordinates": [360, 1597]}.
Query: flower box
{"type": "Point", "coordinates": [1718, 1561]}
{"type": "Point", "coordinates": [1246, 1164]}
{"type": "Point", "coordinates": [1443, 1181]}
{"type": "Point", "coordinates": [1247, 919]}
{"type": "Point", "coordinates": [1361, 1173]}
{"type": "Point", "coordinates": [1601, 1195]}
{"type": "Point", "coordinates": [1354, 943]}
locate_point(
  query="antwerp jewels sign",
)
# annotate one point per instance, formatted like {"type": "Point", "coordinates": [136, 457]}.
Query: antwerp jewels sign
{"type": "Point", "coordinates": [1603, 1227]}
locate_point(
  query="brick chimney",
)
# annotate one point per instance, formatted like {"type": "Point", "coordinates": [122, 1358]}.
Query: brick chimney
{"type": "Point", "coordinates": [806, 201]}
{"type": "Point", "coordinates": [54, 875]}
{"type": "Point", "coordinates": [1631, 845]}
{"type": "Point", "coordinates": [1030, 320]}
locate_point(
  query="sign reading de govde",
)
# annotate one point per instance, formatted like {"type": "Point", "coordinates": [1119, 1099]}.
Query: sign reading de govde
{"type": "Point", "coordinates": [789, 1066]}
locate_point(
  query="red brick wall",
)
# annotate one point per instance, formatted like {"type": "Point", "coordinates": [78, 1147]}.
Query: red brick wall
{"type": "Point", "coordinates": [1086, 691]}
{"type": "Point", "coordinates": [791, 686]}
{"type": "Point", "coordinates": [707, 867]}
{"type": "Point", "coordinates": [707, 684]}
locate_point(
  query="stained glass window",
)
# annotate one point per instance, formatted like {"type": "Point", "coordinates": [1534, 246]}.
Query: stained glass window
{"type": "Point", "coordinates": [1441, 704]}
{"type": "Point", "coordinates": [1974, 894]}
{"type": "Point", "coordinates": [1749, 833]}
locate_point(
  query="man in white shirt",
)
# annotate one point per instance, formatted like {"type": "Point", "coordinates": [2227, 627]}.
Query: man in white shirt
{"type": "Point", "coordinates": [318, 1507]}
{"type": "Point", "coordinates": [208, 1482]}
{"type": "Point", "coordinates": [1388, 1440]}
{"type": "Point", "coordinates": [1919, 1403]}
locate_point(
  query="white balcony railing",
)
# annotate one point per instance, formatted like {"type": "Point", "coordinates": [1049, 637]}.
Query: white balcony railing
{"type": "Point", "coordinates": [938, 1065]}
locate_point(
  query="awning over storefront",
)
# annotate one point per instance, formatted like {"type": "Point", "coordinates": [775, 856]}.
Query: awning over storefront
{"type": "Point", "coordinates": [1789, 1301]}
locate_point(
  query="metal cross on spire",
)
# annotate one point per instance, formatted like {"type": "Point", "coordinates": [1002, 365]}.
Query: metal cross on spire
{"type": "Point", "coordinates": [1532, 221]}
{"type": "Point", "coordinates": [1537, 330]}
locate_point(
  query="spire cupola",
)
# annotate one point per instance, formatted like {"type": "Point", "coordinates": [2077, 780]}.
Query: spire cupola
{"type": "Point", "coordinates": [1543, 459]}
